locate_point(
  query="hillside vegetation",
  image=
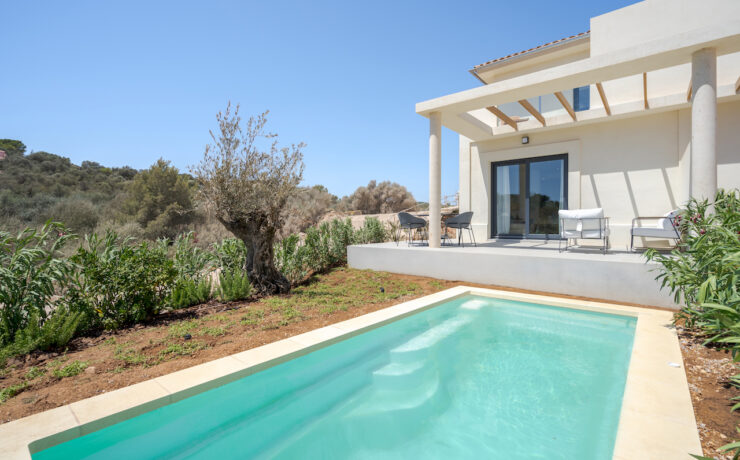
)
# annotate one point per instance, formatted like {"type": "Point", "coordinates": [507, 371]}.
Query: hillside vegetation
{"type": "Point", "coordinates": [148, 204]}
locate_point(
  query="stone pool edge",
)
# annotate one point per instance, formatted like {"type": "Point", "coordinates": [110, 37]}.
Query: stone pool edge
{"type": "Point", "coordinates": [656, 421]}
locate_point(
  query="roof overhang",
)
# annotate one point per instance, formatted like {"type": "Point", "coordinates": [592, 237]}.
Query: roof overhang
{"type": "Point", "coordinates": [460, 110]}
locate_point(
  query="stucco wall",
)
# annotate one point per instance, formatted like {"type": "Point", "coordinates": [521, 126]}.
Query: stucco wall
{"type": "Point", "coordinates": [654, 19]}
{"type": "Point", "coordinates": [630, 167]}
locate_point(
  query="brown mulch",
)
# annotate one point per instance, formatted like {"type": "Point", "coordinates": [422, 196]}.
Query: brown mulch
{"type": "Point", "coordinates": [118, 359]}
{"type": "Point", "coordinates": [708, 371]}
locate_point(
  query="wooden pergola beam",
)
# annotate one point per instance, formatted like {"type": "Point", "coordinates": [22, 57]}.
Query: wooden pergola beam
{"type": "Point", "coordinates": [688, 92]}
{"type": "Point", "coordinates": [566, 105]}
{"type": "Point", "coordinates": [503, 117]}
{"type": "Point", "coordinates": [535, 113]}
{"type": "Point", "coordinates": [644, 89]}
{"type": "Point", "coordinates": [603, 98]}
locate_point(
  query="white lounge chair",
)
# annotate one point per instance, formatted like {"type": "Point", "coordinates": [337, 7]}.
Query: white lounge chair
{"type": "Point", "coordinates": [587, 224]}
{"type": "Point", "coordinates": [665, 228]}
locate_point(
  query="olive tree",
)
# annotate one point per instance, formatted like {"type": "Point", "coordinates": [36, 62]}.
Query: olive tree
{"type": "Point", "coordinates": [247, 187]}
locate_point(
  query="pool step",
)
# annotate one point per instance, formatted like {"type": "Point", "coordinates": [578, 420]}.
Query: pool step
{"type": "Point", "coordinates": [418, 347]}
{"type": "Point", "coordinates": [402, 375]}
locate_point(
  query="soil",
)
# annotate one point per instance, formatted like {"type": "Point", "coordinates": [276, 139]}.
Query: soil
{"type": "Point", "coordinates": [112, 360]}
{"type": "Point", "coordinates": [708, 371]}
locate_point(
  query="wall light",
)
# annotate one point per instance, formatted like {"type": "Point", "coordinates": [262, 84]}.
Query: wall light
{"type": "Point", "coordinates": [525, 139]}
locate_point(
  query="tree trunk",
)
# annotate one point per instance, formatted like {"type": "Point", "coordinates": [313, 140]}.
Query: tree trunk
{"type": "Point", "coordinates": [260, 264]}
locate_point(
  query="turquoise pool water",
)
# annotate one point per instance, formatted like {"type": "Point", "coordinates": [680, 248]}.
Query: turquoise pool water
{"type": "Point", "coordinates": [471, 378]}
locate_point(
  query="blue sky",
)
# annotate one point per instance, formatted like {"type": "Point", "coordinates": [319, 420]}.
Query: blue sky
{"type": "Point", "coordinates": [124, 83]}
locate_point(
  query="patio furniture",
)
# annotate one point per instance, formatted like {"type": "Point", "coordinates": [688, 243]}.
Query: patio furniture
{"type": "Point", "coordinates": [410, 223]}
{"type": "Point", "coordinates": [587, 224]}
{"type": "Point", "coordinates": [666, 227]}
{"type": "Point", "coordinates": [460, 222]}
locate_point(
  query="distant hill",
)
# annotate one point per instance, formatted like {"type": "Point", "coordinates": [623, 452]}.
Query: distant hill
{"type": "Point", "coordinates": [40, 185]}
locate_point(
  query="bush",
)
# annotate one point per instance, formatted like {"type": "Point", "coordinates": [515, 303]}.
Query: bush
{"type": "Point", "coordinates": [119, 284]}
{"type": "Point", "coordinates": [231, 255]}
{"type": "Point", "coordinates": [324, 247]}
{"type": "Point", "coordinates": [159, 199]}
{"type": "Point", "coordinates": [55, 333]}
{"type": "Point", "coordinates": [187, 292]}
{"type": "Point", "coordinates": [704, 275]}
{"type": "Point", "coordinates": [189, 260]}
{"type": "Point", "coordinates": [290, 259]}
{"type": "Point", "coordinates": [233, 285]}
{"type": "Point", "coordinates": [372, 231]}
{"type": "Point", "coordinates": [30, 273]}
{"type": "Point", "coordinates": [385, 197]}
{"type": "Point", "coordinates": [305, 209]}
{"type": "Point", "coordinates": [78, 213]}
{"type": "Point", "coordinates": [194, 266]}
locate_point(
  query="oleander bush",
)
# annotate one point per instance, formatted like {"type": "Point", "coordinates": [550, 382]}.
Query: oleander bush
{"type": "Point", "coordinates": [704, 276]}
{"type": "Point", "coordinates": [119, 283]}
{"type": "Point", "coordinates": [30, 273]}
{"type": "Point", "coordinates": [373, 231]}
{"type": "Point", "coordinates": [194, 266]}
{"type": "Point", "coordinates": [291, 259]}
{"type": "Point", "coordinates": [704, 272]}
{"type": "Point", "coordinates": [231, 254]}
{"type": "Point", "coordinates": [111, 282]}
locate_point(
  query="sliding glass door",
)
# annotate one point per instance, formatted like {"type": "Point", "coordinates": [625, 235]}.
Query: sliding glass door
{"type": "Point", "coordinates": [527, 195]}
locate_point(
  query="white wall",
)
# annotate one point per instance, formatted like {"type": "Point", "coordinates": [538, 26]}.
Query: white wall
{"type": "Point", "coordinates": [650, 20]}
{"type": "Point", "coordinates": [630, 167]}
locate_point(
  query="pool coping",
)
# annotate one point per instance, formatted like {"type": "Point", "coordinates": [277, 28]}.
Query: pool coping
{"type": "Point", "coordinates": [657, 418]}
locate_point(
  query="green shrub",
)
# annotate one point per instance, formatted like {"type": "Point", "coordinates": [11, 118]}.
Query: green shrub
{"type": "Point", "coordinates": [372, 231]}
{"type": "Point", "coordinates": [341, 235]}
{"type": "Point", "coordinates": [189, 260]}
{"type": "Point", "coordinates": [30, 274]}
{"type": "Point", "coordinates": [54, 333]}
{"type": "Point", "coordinates": [187, 292]}
{"type": "Point", "coordinates": [317, 247]}
{"type": "Point", "coordinates": [233, 285]}
{"type": "Point", "coordinates": [290, 259]}
{"type": "Point", "coordinates": [704, 274]}
{"type": "Point", "coordinates": [194, 266]}
{"type": "Point", "coordinates": [231, 254]}
{"type": "Point", "coordinates": [118, 283]}
{"type": "Point", "coordinates": [324, 247]}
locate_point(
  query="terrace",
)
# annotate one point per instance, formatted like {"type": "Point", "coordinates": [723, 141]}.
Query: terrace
{"type": "Point", "coordinates": [533, 265]}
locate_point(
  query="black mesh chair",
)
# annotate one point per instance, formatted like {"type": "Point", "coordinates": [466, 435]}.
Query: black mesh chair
{"type": "Point", "coordinates": [410, 223]}
{"type": "Point", "coordinates": [461, 222]}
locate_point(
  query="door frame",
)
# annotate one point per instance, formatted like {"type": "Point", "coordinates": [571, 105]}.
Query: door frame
{"type": "Point", "coordinates": [526, 162]}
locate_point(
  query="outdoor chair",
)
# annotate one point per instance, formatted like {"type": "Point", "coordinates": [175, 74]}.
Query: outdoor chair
{"type": "Point", "coordinates": [410, 223]}
{"type": "Point", "coordinates": [460, 222]}
{"type": "Point", "coordinates": [665, 228]}
{"type": "Point", "coordinates": [587, 224]}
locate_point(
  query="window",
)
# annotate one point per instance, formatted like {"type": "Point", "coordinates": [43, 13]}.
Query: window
{"type": "Point", "coordinates": [581, 98]}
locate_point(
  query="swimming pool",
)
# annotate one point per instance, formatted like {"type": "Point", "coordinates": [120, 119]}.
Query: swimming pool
{"type": "Point", "coordinates": [474, 377]}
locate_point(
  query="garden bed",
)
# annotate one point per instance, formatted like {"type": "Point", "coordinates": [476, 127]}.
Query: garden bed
{"type": "Point", "coordinates": [94, 365]}
{"type": "Point", "coordinates": [708, 371]}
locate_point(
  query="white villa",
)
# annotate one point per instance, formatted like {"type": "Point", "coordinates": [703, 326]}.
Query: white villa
{"type": "Point", "coordinates": [634, 116]}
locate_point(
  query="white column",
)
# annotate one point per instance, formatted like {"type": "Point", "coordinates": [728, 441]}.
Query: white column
{"type": "Point", "coordinates": [435, 178]}
{"type": "Point", "coordinates": [704, 124]}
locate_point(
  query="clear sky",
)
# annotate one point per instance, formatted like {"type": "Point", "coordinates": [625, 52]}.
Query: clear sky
{"type": "Point", "coordinates": [125, 82]}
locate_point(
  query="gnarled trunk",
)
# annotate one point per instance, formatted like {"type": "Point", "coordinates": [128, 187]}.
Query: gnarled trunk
{"type": "Point", "coordinates": [258, 237]}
